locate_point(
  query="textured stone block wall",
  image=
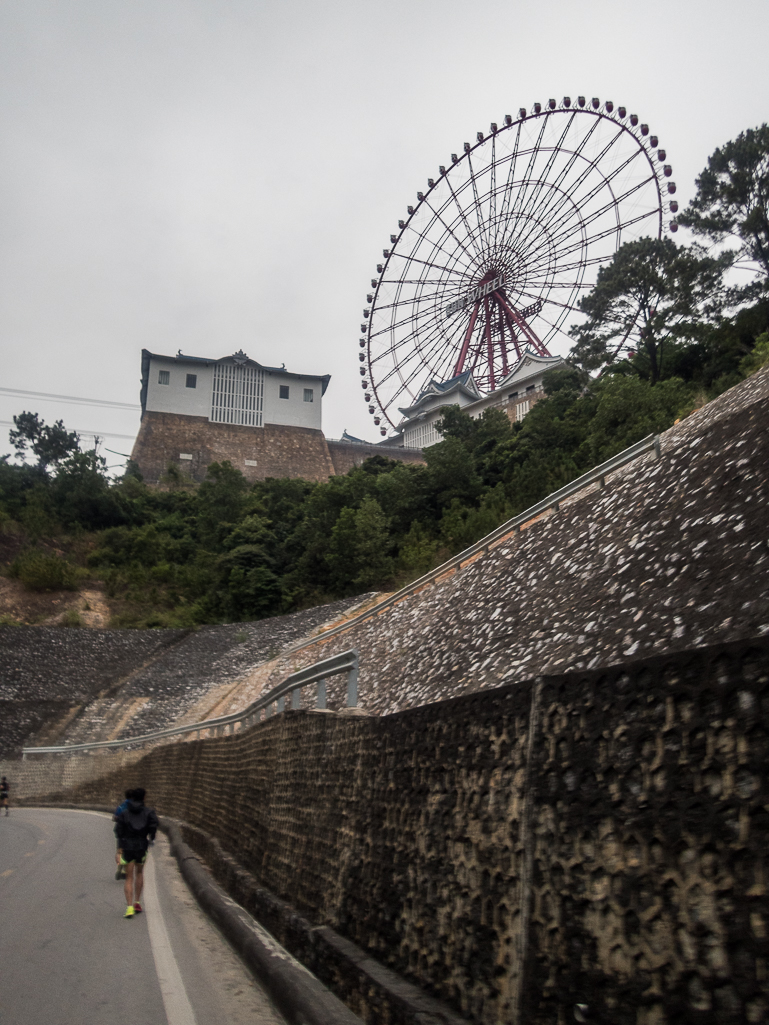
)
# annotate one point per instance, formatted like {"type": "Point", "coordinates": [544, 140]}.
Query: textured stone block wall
{"type": "Point", "coordinates": [278, 451]}
{"type": "Point", "coordinates": [346, 455]}
{"type": "Point", "coordinates": [597, 838]}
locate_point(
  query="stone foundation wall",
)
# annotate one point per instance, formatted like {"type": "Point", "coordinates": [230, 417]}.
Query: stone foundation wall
{"type": "Point", "coordinates": [595, 838]}
{"type": "Point", "coordinates": [346, 455]}
{"type": "Point", "coordinates": [276, 450]}
{"type": "Point", "coordinates": [258, 452]}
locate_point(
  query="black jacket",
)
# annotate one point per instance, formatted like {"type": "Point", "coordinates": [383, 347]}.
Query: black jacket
{"type": "Point", "coordinates": [136, 826]}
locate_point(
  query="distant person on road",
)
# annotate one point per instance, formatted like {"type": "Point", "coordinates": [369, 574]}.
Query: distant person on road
{"type": "Point", "coordinates": [135, 827]}
{"type": "Point", "coordinates": [5, 795]}
{"type": "Point", "coordinates": [120, 873]}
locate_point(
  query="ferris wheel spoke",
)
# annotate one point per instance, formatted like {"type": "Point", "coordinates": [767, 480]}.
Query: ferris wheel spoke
{"type": "Point", "coordinates": [411, 300]}
{"type": "Point", "coordinates": [420, 335]}
{"type": "Point", "coordinates": [451, 232]}
{"type": "Point", "coordinates": [422, 330]}
{"type": "Point", "coordinates": [557, 327]}
{"type": "Point", "coordinates": [585, 242]}
{"type": "Point", "coordinates": [493, 189]}
{"type": "Point", "coordinates": [478, 208]}
{"type": "Point", "coordinates": [609, 204]}
{"type": "Point", "coordinates": [533, 200]}
{"type": "Point", "coordinates": [463, 216]}
{"type": "Point", "coordinates": [426, 263]}
{"type": "Point", "coordinates": [514, 213]}
{"type": "Point", "coordinates": [535, 150]}
{"type": "Point", "coordinates": [406, 381]}
{"type": "Point", "coordinates": [411, 281]}
{"type": "Point", "coordinates": [568, 199]}
{"type": "Point", "coordinates": [558, 190]}
{"type": "Point", "coordinates": [508, 190]}
{"type": "Point", "coordinates": [605, 233]}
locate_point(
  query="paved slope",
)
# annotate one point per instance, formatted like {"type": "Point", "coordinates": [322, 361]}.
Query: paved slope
{"type": "Point", "coordinates": [671, 554]}
{"type": "Point", "coordinates": [59, 685]}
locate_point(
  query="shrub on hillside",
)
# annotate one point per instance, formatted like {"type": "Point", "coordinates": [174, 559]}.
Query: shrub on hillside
{"type": "Point", "coordinates": [41, 572]}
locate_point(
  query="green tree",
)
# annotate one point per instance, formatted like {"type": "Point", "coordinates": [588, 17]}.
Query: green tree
{"type": "Point", "coordinates": [759, 357]}
{"type": "Point", "coordinates": [52, 445]}
{"type": "Point", "coordinates": [221, 501]}
{"type": "Point", "coordinates": [732, 198]}
{"type": "Point", "coordinates": [652, 295]}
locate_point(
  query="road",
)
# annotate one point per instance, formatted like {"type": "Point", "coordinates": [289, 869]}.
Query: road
{"type": "Point", "coordinates": [68, 956]}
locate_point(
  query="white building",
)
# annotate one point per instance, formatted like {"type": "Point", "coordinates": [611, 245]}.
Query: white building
{"type": "Point", "coordinates": [231, 390]}
{"type": "Point", "coordinates": [516, 394]}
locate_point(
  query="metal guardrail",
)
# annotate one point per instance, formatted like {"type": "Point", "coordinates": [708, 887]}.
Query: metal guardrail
{"type": "Point", "coordinates": [346, 662]}
{"type": "Point", "coordinates": [598, 474]}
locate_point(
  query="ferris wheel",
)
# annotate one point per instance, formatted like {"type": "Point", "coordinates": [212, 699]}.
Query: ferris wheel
{"type": "Point", "coordinates": [499, 248]}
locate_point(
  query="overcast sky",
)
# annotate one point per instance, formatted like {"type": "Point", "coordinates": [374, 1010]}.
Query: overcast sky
{"type": "Point", "coordinates": [213, 175]}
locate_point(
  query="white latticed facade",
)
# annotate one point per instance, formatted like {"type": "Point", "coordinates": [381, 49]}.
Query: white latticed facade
{"type": "Point", "coordinates": [421, 435]}
{"type": "Point", "coordinates": [238, 395]}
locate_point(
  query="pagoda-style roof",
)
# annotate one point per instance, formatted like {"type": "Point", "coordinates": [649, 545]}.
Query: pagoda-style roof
{"type": "Point", "coordinates": [443, 393]}
{"type": "Point", "coordinates": [529, 365]}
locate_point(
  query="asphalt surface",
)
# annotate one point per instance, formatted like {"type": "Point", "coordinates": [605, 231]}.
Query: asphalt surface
{"type": "Point", "coordinates": [67, 955]}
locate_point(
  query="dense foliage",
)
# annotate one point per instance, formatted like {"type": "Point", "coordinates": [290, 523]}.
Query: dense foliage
{"type": "Point", "coordinates": [658, 325]}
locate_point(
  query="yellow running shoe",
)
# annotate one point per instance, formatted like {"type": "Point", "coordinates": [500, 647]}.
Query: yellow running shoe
{"type": "Point", "coordinates": [129, 911]}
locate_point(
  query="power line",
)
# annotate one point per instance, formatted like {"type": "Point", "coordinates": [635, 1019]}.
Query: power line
{"type": "Point", "coordinates": [23, 393]}
{"type": "Point", "coordinates": [96, 434]}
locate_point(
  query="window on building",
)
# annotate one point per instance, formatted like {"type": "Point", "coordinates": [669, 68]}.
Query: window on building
{"type": "Point", "coordinates": [284, 391]}
{"type": "Point", "coordinates": [531, 388]}
{"type": "Point", "coordinates": [164, 377]}
{"type": "Point", "coordinates": [185, 455]}
{"type": "Point", "coordinates": [308, 395]}
{"type": "Point", "coordinates": [522, 409]}
{"type": "Point", "coordinates": [513, 395]}
{"type": "Point", "coordinates": [421, 435]}
{"type": "Point", "coordinates": [238, 393]}
{"type": "Point", "coordinates": [192, 380]}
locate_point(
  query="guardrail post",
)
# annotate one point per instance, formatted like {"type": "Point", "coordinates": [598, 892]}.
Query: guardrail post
{"type": "Point", "coordinates": [657, 449]}
{"type": "Point", "coordinates": [281, 702]}
{"type": "Point", "coordinates": [602, 482]}
{"type": "Point", "coordinates": [321, 702]}
{"type": "Point", "coordinates": [296, 697]}
{"type": "Point", "coordinates": [352, 686]}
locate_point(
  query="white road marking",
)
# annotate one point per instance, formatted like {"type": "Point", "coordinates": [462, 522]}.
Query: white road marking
{"type": "Point", "coordinates": [178, 1008]}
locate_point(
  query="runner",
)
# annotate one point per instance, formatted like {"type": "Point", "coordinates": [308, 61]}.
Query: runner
{"type": "Point", "coordinates": [120, 873]}
{"type": "Point", "coordinates": [5, 795]}
{"type": "Point", "coordinates": [135, 827]}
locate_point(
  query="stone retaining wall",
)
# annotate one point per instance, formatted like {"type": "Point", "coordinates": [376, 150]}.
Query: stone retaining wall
{"type": "Point", "coordinates": [347, 455]}
{"type": "Point", "coordinates": [594, 838]}
{"type": "Point", "coordinates": [269, 451]}
{"type": "Point", "coordinates": [670, 554]}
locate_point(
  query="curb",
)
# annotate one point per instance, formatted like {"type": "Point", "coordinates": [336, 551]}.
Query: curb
{"type": "Point", "coordinates": [298, 994]}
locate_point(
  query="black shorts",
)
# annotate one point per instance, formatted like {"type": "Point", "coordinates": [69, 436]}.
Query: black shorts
{"type": "Point", "coordinates": [139, 857]}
